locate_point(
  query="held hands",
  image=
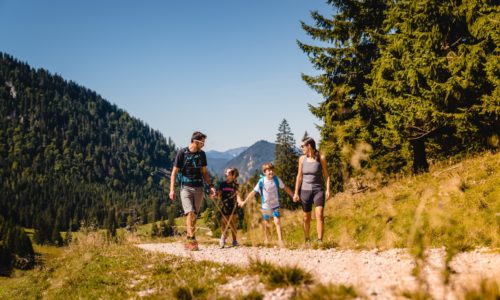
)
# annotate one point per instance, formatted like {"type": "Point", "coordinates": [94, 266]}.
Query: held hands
{"type": "Point", "coordinates": [296, 198]}
{"type": "Point", "coordinates": [172, 194]}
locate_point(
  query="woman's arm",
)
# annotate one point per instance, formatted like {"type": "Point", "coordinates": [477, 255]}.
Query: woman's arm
{"type": "Point", "coordinates": [298, 181]}
{"type": "Point", "coordinates": [326, 176]}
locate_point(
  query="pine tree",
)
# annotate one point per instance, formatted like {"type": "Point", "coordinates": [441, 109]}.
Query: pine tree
{"type": "Point", "coordinates": [111, 223]}
{"type": "Point", "coordinates": [305, 136]}
{"type": "Point", "coordinates": [69, 236]}
{"type": "Point", "coordinates": [56, 238]}
{"type": "Point", "coordinates": [348, 44]}
{"type": "Point", "coordinates": [162, 231]}
{"type": "Point", "coordinates": [286, 161]}
{"type": "Point", "coordinates": [154, 230]}
{"type": "Point", "coordinates": [431, 81]}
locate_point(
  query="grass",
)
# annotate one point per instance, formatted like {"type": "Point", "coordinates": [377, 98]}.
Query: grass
{"type": "Point", "coordinates": [460, 209]}
{"type": "Point", "coordinates": [92, 268]}
{"type": "Point", "coordinates": [278, 276]}
{"type": "Point", "coordinates": [329, 292]}
{"type": "Point", "coordinates": [462, 203]}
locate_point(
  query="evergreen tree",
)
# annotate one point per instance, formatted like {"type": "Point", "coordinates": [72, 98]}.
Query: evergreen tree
{"type": "Point", "coordinates": [111, 223]}
{"type": "Point", "coordinates": [69, 236]}
{"type": "Point", "coordinates": [433, 82]}
{"type": "Point", "coordinates": [286, 161]}
{"type": "Point", "coordinates": [5, 260]}
{"type": "Point", "coordinates": [154, 230]}
{"type": "Point", "coordinates": [56, 238]}
{"type": "Point", "coordinates": [348, 45]}
{"type": "Point", "coordinates": [165, 229]}
{"type": "Point", "coordinates": [305, 136]}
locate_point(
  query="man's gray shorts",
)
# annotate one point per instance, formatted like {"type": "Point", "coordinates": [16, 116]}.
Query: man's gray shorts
{"type": "Point", "coordinates": [191, 198]}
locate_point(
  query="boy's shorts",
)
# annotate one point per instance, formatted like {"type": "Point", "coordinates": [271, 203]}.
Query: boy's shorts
{"type": "Point", "coordinates": [266, 213]}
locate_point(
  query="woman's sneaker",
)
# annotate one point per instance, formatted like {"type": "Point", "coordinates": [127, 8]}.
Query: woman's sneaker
{"type": "Point", "coordinates": [235, 243]}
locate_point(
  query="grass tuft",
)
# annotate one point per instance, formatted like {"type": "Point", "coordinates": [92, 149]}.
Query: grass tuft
{"type": "Point", "coordinates": [278, 276]}
{"type": "Point", "coordinates": [488, 290]}
{"type": "Point", "coordinates": [329, 292]}
{"type": "Point", "coordinates": [253, 295]}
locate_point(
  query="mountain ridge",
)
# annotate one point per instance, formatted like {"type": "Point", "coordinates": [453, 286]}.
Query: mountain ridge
{"type": "Point", "coordinates": [247, 161]}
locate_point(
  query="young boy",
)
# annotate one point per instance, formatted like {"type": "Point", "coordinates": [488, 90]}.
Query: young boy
{"type": "Point", "coordinates": [268, 187]}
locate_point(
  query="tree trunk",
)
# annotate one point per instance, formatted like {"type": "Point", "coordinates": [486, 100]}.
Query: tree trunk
{"type": "Point", "coordinates": [420, 164]}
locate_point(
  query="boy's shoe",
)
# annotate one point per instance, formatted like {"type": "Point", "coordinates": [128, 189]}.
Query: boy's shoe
{"type": "Point", "coordinates": [192, 245]}
{"type": "Point", "coordinates": [222, 241]}
{"type": "Point", "coordinates": [235, 243]}
{"type": "Point", "coordinates": [319, 242]}
{"type": "Point", "coordinates": [307, 244]}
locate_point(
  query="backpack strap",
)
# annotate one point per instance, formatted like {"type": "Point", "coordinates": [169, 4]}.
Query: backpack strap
{"type": "Point", "coordinates": [261, 188]}
{"type": "Point", "coordinates": [183, 179]}
{"type": "Point", "coordinates": [277, 183]}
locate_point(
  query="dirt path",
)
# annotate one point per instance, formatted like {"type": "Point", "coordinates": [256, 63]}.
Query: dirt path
{"type": "Point", "coordinates": [377, 274]}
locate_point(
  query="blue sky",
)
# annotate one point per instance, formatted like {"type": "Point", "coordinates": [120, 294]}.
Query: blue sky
{"type": "Point", "coordinates": [228, 68]}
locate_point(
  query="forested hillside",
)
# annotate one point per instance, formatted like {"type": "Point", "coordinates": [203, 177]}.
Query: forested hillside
{"type": "Point", "coordinates": [69, 156]}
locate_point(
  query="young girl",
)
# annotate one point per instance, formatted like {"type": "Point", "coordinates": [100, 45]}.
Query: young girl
{"type": "Point", "coordinates": [229, 195]}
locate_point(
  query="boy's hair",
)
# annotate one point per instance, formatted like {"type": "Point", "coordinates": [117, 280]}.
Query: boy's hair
{"type": "Point", "coordinates": [233, 172]}
{"type": "Point", "coordinates": [268, 165]}
{"type": "Point", "coordinates": [197, 135]}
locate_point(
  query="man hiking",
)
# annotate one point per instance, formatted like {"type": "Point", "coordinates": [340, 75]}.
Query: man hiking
{"type": "Point", "coordinates": [190, 169]}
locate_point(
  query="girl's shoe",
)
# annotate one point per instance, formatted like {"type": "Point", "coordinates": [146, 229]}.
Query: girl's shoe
{"type": "Point", "coordinates": [222, 241]}
{"type": "Point", "coordinates": [235, 243]}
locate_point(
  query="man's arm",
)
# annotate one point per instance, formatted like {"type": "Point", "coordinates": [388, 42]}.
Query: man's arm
{"type": "Point", "coordinates": [206, 177]}
{"type": "Point", "coordinates": [173, 176]}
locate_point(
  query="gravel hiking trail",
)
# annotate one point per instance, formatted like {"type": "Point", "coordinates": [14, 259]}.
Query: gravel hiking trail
{"type": "Point", "coordinates": [376, 274]}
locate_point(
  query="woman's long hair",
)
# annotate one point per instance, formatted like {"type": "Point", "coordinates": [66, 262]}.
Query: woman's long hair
{"type": "Point", "coordinates": [310, 141]}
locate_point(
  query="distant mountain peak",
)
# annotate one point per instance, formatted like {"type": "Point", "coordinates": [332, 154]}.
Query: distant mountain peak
{"type": "Point", "coordinates": [247, 161]}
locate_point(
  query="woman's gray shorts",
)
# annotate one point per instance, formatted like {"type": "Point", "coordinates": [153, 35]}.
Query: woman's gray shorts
{"type": "Point", "coordinates": [191, 198]}
{"type": "Point", "coordinates": [309, 197]}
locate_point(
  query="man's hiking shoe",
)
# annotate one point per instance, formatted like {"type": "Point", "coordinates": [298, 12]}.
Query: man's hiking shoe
{"type": "Point", "coordinates": [192, 245]}
{"type": "Point", "coordinates": [235, 243]}
{"type": "Point", "coordinates": [222, 241]}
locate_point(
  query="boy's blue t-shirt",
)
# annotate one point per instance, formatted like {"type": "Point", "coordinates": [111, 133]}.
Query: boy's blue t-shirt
{"type": "Point", "coordinates": [270, 199]}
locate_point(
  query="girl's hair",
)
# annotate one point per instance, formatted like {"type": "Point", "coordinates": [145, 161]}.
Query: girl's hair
{"type": "Point", "coordinates": [268, 165]}
{"type": "Point", "coordinates": [233, 172]}
{"type": "Point", "coordinates": [310, 141]}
